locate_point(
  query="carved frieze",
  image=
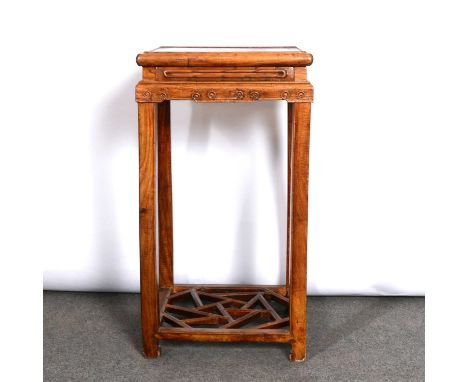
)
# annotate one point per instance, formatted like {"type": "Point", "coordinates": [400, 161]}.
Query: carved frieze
{"type": "Point", "coordinates": [149, 91]}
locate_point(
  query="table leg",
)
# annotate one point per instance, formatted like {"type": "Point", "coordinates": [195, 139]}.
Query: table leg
{"type": "Point", "coordinates": [299, 216]}
{"type": "Point", "coordinates": [165, 232]}
{"type": "Point", "coordinates": [288, 227]}
{"type": "Point", "coordinates": [148, 280]}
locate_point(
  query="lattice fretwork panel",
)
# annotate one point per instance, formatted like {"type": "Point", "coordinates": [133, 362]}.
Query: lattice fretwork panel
{"type": "Point", "coordinates": [202, 307]}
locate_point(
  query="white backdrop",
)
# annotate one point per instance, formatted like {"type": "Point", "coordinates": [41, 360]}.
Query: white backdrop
{"type": "Point", "coordinates": [372, 142]}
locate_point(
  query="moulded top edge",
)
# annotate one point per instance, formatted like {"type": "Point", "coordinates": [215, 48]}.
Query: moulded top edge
{"type": "Point", "coordinates": [229, 56]}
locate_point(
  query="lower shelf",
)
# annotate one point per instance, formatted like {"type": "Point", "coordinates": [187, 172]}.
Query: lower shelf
{"type": "Point", "coordinates": [224, 313]}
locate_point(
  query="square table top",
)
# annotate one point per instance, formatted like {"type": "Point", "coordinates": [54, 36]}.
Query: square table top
{"type": "Point", "coordinates": [225, 56]}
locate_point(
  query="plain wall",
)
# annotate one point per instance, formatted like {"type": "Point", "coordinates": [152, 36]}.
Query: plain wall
{"type": "Point", "coordinates": [371, 139]}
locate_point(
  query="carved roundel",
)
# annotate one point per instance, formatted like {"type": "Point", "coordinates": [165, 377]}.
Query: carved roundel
{"type": "Point", "coordinates": [239, 94]}
{"type": "Point", "coordinates": [255, 95]}
{"type": "Point", "coordinates": [162, 96]}
{"type": "Point", "coordinates": [147, 94]}
{"type": "Point", "coordinates": [211, 94]}
{"type": "Point", "coordinates": [300, 95]}
{"type": "Point", "coordinates": [285, 95]}
{"type": "Point", "coordinates": [196, 96]}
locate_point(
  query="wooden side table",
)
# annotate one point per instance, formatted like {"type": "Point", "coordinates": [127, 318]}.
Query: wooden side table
{"type": "Point", "coordinates": [255, 313]}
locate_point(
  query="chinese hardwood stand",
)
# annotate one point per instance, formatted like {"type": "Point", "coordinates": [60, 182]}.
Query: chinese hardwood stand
{"type": "Point", "coordinates": [254, 313]}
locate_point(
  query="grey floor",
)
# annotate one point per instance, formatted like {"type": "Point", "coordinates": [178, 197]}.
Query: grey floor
{"type": "Point", "coordinates": [96, 337]}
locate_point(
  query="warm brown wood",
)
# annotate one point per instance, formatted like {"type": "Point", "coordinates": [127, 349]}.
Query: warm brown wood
{"type": "Point", "coordinates": [225, 58]}
{"type": "Point", "coordinates": [150, 91]}
{"type": "Point", "coordinates": [166, 317]}
{"type": "Point", "coordinates": [268, 307]}
{"type": "Point", "coordinates": [194, 306]}
{"type": "Point", "coordinates": [212, 320]}
{"type": "Point", "coordinates": [241, 320]}
{"type": "Point", "coordinates": [201, 74]}
{"type": "Point", "coordinates": [279, 289]}
{"type": "Point", "coordinates": [288, 226]}
{"type": "Point", "coordinates": [299, 217]}
{"type": "Point", "coordinates": [165, 235]}
{"type": "Point", "coordinates": [236, 313]}
{"type": "Point", "coordinates": [178, 294]}
{"type": "Point", "coordinates": [225, 313]}
{"type": "Point", "coordinates": [241, 295]}
{"type": "Point", "coordinates": [300, 74]}
{"type": "Point", "coordinates": [233, 302]}
{"type": "Point", "coordinates": [251, 302]}
{"type": "Point", "coordinates": [226, 335]}
{"type": "Point", "coordinates": [225, 74]}
{"type": "Point", "coordinates": [196, 297]}
{"type": "Point", "coordinates": [213, 307]}
{"type": "Point", "coordinates": [148, 281]}
{"type": "Point", "coordinates": [185, 311]}
{"type": "Point", "coordinates": [163, 297]}
{"type": "Point", "coordinates": [281, 322]}
{"type": "Point", "coordinates": [278, 297]}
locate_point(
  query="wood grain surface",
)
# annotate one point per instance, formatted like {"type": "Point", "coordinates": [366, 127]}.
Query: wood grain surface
{"type": "Point", "coordinates": [165, 227]}
{"type": "Point", "coordinates": [224, 313]}
{"type": "Point", "coordinates": [148, 278]}
{"type": "Point", "coordinates": [299, 218]}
